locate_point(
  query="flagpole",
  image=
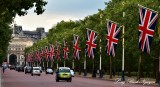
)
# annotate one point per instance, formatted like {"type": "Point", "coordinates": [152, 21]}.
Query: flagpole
{"type": "Point", "coordinates": [51, 63]}
{"type": "Point", "coordinates": [85, 72]}
{"type": "Point", "coordinates": [64, 63]}
{"type": "Point", "coordinates": [57, 64]}
{"type": "Point", "coordinates": [100, 62]}
{"type": "Point", "coordinates": [123, 78]}
{"type": "Point", "coordinates": [73, 64]}
{"type": "Point", "coordinates": [110, 67]}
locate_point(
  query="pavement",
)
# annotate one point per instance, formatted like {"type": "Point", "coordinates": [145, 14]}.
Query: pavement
{"type": "Point", "coordinates": [117, 79]}
{"type": "Point", "coordinates": [1, 77]}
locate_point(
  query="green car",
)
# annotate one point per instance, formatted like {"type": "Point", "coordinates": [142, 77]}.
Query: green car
{"type": "Point", "coordinates": [63, 73]}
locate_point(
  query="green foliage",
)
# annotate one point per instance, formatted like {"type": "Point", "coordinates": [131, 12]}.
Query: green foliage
{"type": "Point", "coordinates": [9, 9]}
{"type": "Point", "coordinates": [113, 11]}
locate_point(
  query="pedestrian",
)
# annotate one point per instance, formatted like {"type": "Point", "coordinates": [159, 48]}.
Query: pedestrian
{"type": "Point", "coordinates": [3, 68]}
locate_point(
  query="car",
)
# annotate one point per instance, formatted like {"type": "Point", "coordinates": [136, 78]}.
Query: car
{"type": "Point", "coordinates": [49, 71]}
{"type": "Point", "coordinates": [63, 73]}
{"type": "Point", "coordinates": [28, 69]}
{"type": "Point", "coordinates": [17, 66]}
{"type": "Point", "coordinates": [21, 68]}
{"type": "Point", "coordinates": [36, 71]}
{"type": "Point", "coordinates": [72, 73]}
{"type": "Point", "coordinates": [12, 67]}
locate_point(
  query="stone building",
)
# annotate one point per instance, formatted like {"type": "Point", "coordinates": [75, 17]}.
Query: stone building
{"type": "Point", "coordinates": [20, 40]}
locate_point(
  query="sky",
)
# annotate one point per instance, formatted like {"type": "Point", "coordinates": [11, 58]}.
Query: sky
{"type": "Point", "coordinates": [58, 10]}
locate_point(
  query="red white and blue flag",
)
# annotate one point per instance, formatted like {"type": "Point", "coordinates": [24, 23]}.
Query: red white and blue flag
{"type": "Point", "coordinates": [65, 50]}
{"type": "Point", "coordinates": [42, 53]}
{"type": "Point", "coordinates": [47, 53]}
{"type": "Point", "coordinates": [76, 47]}
{"type": "Point", "coordinates": [90, 43]}
{"type": "Point", "coordinates": [38, 55]}
{"type": "Point", "coordinates": [58, 52]}
{"type": "Point", "coordinates": [112, 36]}
{"type": "Point", "coordinates": [52, 54]}
{"type": "Point", "coordinates": [147, 23]}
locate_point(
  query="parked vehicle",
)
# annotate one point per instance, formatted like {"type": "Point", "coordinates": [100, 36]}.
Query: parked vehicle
{"type": "Point", "coordinates": [49, 71]}
{"type": "Point", "coordinates": [36, 71]}
{"type": "Point", "coordinates": [63, 73]}
{"type": "Point", "coordinates": [17, 67]}
{"type": "Point", "coordinates": [28, 69]}
{"type": "Point", "coordinates": [72, 73]}
{"type": "Point", "coordinates": [12, 67]}
{"type": "Point", "coordinates": [21, 68]}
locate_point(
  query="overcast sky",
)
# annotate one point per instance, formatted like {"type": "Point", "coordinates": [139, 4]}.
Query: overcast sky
{"type": "Point", "coordinates": [57, 10]}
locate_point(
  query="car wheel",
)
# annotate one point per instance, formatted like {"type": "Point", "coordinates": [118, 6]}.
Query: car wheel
{"type": "Point", "coordinates": [57, 80]}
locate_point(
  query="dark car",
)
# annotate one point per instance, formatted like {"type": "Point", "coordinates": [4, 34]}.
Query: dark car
{"type": "Point", "coordinates": [12, 67]}
{"type": "Point", "coordinates": [21, 68]}
{"type": "Point", "coordinates": [28, 69]}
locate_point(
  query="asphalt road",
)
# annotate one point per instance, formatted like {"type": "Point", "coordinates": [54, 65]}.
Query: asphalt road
{"type": "Point", "coordinates": [12, 78]}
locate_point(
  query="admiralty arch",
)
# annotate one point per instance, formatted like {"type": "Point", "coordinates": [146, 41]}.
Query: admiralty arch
{"type": "Point", "coordinates": [20, 40]}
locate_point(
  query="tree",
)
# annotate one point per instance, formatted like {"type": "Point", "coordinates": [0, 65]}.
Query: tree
{"type": "Point", "coordinates": [9, 9]}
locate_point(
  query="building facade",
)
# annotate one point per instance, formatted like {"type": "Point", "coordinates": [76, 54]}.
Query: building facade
{"type": "Point", "coordinates": [20, 40]}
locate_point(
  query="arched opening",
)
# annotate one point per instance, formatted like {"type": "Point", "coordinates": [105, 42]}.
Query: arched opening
{"type": "Point", "coordinates": [12, 59]}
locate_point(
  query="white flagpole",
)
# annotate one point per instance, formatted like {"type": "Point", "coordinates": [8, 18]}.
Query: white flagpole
{"type": "Point", "coordinates": [123, 78]}
{"type": "Point", "coordinates": [73, 64]}
{"type": "Point", "coordinates": [100, 62]}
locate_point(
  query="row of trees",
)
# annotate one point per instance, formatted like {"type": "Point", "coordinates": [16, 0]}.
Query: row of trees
{"type": "Point", "coordinates": [8, 10]}
{"type": "Point", "coordinates": [114, 10]}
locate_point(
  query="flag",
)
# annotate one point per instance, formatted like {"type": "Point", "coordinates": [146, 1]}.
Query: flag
{"type": "Point", "coordinates": [65, 50]}
{"type": "Point", "coordinates": [76, 47]}
{"type": "Point", "coordinates": [47, 53]}
{"type": "Point", "coordinates": [57, 56]}
{"type": "Point", "coordinates": [42, 54]}
{"type": "Point", "coordinates": [52, 54]}
{"type": "Point", "coordinates": [147, 23]}
{"type": "Point", "coordinates": [112, 36]}
{"type": "Point", "coordinates": [90, 43]}
{"type": "Point", "coordinates": [38, 55]}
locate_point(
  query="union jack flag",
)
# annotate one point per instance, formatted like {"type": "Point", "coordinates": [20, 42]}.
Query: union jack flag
{"type": "Point", "coordinates": [147, 23]}
{"type": "Point", "coordinates": [42, 54]}
{"type": "Point", "coordinates": [112, 36]}
{"type": "Point", "coordinates": [65, 50]}
{"type": "Point", "coordinates": [57, 56]}
{"type": "Point", "coordinates": [90, 43]}
{"type": "Point", "coordinates": [47, 53]}
{"type": "Point", "coordinates": [52, 54]}
{"type": "Point", "coordinates": [38, 56]}
{"type": "Point", "coordinates": [76, 47]}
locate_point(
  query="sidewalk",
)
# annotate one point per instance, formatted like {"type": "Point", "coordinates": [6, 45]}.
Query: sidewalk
{"type": "Point", "coordinates": [1, 80]}
{"type": "Point", "coordinates": [117, 79]}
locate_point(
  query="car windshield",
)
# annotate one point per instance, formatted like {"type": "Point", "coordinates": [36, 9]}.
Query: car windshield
{"type": "Point", "coordinates": [35, 68]}
{"type": "Point", "coordinates": [64, 70]}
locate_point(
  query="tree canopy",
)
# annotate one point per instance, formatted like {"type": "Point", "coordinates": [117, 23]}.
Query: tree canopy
{"type": "Point", "coordinates": [8, 10]}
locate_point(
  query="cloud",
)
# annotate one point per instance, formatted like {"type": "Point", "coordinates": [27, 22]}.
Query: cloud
{"type": "Point", "coordinates": [57, 10]}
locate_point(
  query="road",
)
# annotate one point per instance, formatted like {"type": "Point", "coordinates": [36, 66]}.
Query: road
{"type": "Point", "coordinates": [12, 78]}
